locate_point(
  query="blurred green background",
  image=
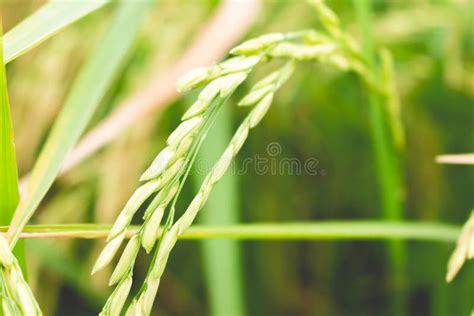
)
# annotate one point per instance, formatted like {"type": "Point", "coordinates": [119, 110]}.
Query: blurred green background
{"type": "Point", "coordinates": [320, 113]}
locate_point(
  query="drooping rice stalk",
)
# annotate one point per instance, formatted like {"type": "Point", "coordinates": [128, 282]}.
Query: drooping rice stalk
{"type": "Point", "coordinates": [464, 249]}
{"type": "Point", "coordinates": [17, 298]}
{"type": "Point", "coordinates": [164, 180]}
{"type": "Point", "coordinates": [168, 172]}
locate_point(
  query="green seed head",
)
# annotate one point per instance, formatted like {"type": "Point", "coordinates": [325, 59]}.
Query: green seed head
{"type": "Point", "coordinates": [148, 296]}
{"type": "Point", "coordinates": [256, 45]}
{"type": "Point", "coordinates": [9, 307]}
{"type": "Point", "coordinates": [255, 95]}
{"type": "Point", "coordinates": [183, 147]}
{"type": "Point", "coordinates": [240, 136]}
{"type": "Point", "coordinates": [222, 165]}
{"type": "Point", "coordinates": [151, 229]}
{"type": "Point", "coordinates": [192, 79]}
{"type": "Point", "coordinates": [26, 300]}
{"type": "Point", "coordinates": [302, 51]}
{"type": "Point", "coordinates": [197, 108]}
{"type": "Point", "coordinates": [108, 252]}
{"type": "Point", "coordinates": [260, 110]}
{"type": "Point", "coordinates": [133, 308]}
{"type": "Point", "coordinates": [6, 256]}
{"type": "Point", "coordinates": [269, 80]}
{"type": "Point", "coordinates": [183, 130]}
{"type": "Point", "coordinates": [159, 164]}
{"type": "Point", "coordinates": [172, 171]}
{"type": "Point", "coordinates": [119, 296]}
{"type": "Point", "coordinates": [239, 63]}
{"type": "Point", "coordinates": [191, 211]}
{"type": "Point", "coordinates": [230, 82]}
{"type": "Point", "coordinates": [125, 264]}
{"type": "Point", "coordinates": [135, 201]}
{"type": "Point", "coordinates": [464, 249]}
{"type": "Point", "coordinates": [162, 199]}
{"type": "Point", "coordinates": [211, 91]}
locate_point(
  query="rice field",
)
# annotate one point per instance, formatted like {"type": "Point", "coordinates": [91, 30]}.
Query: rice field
{"type": "Point", "coordinates": [237, 157]}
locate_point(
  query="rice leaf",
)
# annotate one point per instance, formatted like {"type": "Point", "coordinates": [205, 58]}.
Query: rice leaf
{"type": "Point", "coordinates": [93, 81]}
{"type": "Point", "coordinates": [44, 23]}
{"type": "Point", "coordinates": [9, 195]}
{"type": "Point", "coordinates": [387, 164]}
{"type": "Point", "coordinates": [221, 257]}
{"type": "Point", "coordinates": [308, 230]}
{"type": "Point", "coordinates": [9, 176]}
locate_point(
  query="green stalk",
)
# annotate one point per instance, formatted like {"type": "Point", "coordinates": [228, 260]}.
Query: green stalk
{"type": "Point", "coordinates": [221, 257]}
{"type": "Point", "coordinates": [9, 195]}
{"type": "Point", "coordinates": [45, 22]}
{"type": "Point", "coordinates": [388, 170]}
{"type": "Point", "coordinates": [326, 230]}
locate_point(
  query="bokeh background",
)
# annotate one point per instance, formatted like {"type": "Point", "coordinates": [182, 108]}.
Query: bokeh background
{"type": "Point", "coordinates": [320, 113]}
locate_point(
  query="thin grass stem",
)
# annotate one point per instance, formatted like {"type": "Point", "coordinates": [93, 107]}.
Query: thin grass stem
{"type": "Point", "coordinates": [387, 167]}
{"type": "Point", "coordinates": [330, 230]}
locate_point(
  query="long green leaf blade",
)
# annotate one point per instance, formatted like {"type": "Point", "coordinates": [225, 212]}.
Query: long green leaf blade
{"type": "Point", "coordinates": [44, 23]}
{"type": "Point", "coordinates": [221, 257]}
{"type": "Point", "coordinates": [387, 163]}
{"type": "Point", "coordinates": [321, 230]}
{"type": "Point", "coordinates": [93, 82]}
{"type": "Point", "coordinates": [9, 195]}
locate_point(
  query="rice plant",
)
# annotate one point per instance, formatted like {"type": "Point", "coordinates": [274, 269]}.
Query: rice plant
{"type": "Point", "coordinates": [168, 171]}
{"type": "Point", "coordinates": [256, 74]}
{"type": "Point", "coordinates": [464, 249]}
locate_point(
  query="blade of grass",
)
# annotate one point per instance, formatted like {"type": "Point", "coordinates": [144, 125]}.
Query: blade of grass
{"type": "Point", "coordinates": [44, 23]}
{"type": "Point", "coordinates": [9, 195]}
{"type": "Point", "coordinates": [387, 166]}
{"type": "Point", "coordinates": [94, 80]}
{"type": "Point", "coordinates": [221, 257]}
{"type": "Point", "coordinates": [326, 230]}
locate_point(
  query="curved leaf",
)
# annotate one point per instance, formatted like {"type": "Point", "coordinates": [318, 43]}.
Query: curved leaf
{"type": "Point", "coordinates": [44, 23]}
{"type": "Point", "coordinates": [93, 81]}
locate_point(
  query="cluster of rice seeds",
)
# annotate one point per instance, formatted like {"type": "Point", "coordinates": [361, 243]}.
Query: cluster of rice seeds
{"type": "Point", "coordinates": [17, 298]}
{"type": "Point", "coordinates": [336, 47]}
{"type": "Point", "coordinates": [328, 51]}
{"type": "Point", "coordinates": [164, 176]}
{"type": "Point", "coordinates": [332, 25]}
{"type": "Point", "coordinates": [464, 249]}
{"type": "Point", "coordinates": [260, 97]}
